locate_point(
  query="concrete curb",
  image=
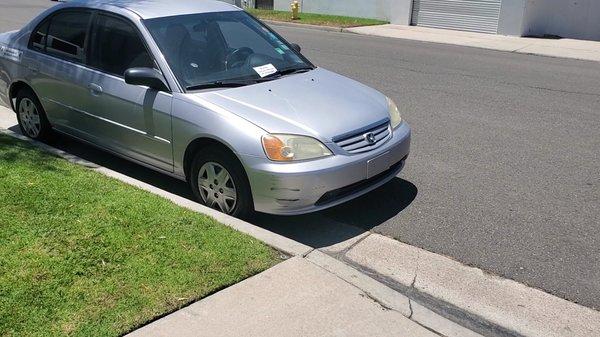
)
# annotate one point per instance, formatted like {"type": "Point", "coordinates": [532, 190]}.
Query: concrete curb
{"type": "Point", "coordinates": [569, 49]}
{"type": "Point", "coordinates": [389, 298]}
{"type": "Point", "coordinates": [475, 299]}
{"type": "Point", "coordinates": [385, 296]}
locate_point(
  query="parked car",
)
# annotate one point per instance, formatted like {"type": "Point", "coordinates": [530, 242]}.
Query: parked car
{"type": "Point", "coordinates": [204, 92]}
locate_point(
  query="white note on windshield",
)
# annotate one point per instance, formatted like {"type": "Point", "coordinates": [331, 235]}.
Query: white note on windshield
{"type": "Point", "coordinates": [265, 70]}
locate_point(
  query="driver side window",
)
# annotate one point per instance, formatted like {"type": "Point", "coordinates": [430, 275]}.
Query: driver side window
{"type": "Point", "coordinates": [117, 46]}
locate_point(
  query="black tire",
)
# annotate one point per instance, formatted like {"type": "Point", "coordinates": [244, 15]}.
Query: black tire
{"type": "Point", "coordinates": [28, 125]}
{"type": "Point", "coordinates": [244, 205]}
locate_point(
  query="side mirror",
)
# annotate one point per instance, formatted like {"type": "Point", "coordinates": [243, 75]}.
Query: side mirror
{"type": "Point", "coordinates": [296, 47]}
{"type": "Point", "coordinates": [146, 76]}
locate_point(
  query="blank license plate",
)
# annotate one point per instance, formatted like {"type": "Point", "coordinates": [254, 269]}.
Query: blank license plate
{"type": "Point", "coordinates": [378, 165]}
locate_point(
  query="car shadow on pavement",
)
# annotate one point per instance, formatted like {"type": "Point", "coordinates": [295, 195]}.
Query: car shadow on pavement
{"type": "Point", "coordinates": [321, 229]}
{"type": "Point", "coordinates": [346, 221]}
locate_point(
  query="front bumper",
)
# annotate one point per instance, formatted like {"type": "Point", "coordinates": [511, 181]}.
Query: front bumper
{"type": "Point", "coordinates": [304, 187]}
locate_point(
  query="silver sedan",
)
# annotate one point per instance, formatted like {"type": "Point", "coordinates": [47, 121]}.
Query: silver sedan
{"type": "Point", "coordinates": [204, 92]}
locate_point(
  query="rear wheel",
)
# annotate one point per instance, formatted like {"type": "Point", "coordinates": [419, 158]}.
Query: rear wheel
{"type": "Point", "coordinates": [219, 181]}
{"type": "Point", "coordinates": [31, 116]}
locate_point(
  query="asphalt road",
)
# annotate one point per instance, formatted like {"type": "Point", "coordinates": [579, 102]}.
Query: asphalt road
{"type": "Point", "coordinates": [505, 156]}
{"type": "Point", "coordinates": [504, 172]}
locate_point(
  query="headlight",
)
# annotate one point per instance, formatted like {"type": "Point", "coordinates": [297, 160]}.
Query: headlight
{"type": "Point", "coordinates": [292, 147]}
{"type": "Point", "coordinates": [395, 118]}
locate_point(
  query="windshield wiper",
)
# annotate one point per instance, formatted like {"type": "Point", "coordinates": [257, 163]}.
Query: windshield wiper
{"type": "Point", "coordinates": [241, 83]}
{"type": "Point", "coordinates": [288, 71]}
{"type": "Point", "coordinates": [219, 84]}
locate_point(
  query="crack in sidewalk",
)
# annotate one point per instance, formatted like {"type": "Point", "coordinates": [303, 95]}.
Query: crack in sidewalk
{"type": "Point", "coordinates": [304, 255]}
{"type": "Point", "coordinates": [345, 251]}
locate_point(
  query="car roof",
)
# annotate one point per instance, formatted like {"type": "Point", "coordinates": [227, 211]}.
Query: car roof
{"type": "Point", "coordinates": [148, 9]}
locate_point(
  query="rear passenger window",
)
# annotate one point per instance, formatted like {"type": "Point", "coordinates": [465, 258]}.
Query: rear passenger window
{"type": "Point", "coordinates": [38, 38]}
{"type": "Point", "coordinates": [117, 46]}
{"type": "Point", "coordinates": [66, 35]}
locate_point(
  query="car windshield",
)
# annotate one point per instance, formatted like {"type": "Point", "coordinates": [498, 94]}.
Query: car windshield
{"type": "Point", "coordinates": [223, 49]}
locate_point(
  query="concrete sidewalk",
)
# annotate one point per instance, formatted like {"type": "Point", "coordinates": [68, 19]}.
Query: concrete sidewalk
{"type": "Point", "coordinates": [564, 48]}
{"type": "Point", "coordinates": [294, 298]}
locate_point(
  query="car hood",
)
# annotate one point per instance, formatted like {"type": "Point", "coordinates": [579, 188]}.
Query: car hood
{"type": "Point", "coordinates": [318, 103]}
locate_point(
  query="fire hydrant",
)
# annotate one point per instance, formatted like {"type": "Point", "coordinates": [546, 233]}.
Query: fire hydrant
{"type": "Point", "coordinates": [295, 10]}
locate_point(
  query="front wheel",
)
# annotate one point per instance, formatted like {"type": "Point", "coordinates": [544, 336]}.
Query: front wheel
{"type": "Point", "coordinates": [219, 181]}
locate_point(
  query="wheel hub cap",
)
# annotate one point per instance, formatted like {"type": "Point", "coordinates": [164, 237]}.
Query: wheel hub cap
{"type": "Point", "coordinates": [30, 118]}
{"type": "Point", "coordinates": [216, 187]}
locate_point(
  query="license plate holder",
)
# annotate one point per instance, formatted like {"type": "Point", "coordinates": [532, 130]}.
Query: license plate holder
{"type": "Point", "coordinates": [378, 165]}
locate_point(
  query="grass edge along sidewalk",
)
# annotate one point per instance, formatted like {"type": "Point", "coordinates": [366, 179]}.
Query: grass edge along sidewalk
{"type": "Point", "coordinates": [85, 254]}
{"type": "Point", "coordinates": [314, 19]}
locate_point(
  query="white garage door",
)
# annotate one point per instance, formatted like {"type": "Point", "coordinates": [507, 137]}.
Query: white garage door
{"type": "Point", "coordinates": [470, 15]}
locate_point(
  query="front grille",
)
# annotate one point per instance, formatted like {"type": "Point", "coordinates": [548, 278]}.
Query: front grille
{"type": "Point", "coordinates": [357, 142]}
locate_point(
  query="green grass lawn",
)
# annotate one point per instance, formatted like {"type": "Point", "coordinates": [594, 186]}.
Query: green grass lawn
{"type": "Point", "coordinates": [86, 255]}
{"type": "Point", "coordinates": [315, 19]}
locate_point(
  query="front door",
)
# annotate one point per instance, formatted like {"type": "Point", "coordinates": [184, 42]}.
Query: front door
{"type": "Point", "coordinates": [129, 119]}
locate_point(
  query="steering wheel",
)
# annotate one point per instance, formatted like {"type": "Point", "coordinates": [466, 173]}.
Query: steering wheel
{"type": "Point", "coordinates": [237, 57]}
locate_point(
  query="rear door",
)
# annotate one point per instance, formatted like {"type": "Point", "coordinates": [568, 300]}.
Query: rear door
{"type": "Point", "coordinates": [129, 119]}
{"type": "Point", "coordinates": [56, 59]}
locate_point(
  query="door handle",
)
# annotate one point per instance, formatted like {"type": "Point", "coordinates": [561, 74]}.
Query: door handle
{"type": "Point", "coordinates": [95, 89]}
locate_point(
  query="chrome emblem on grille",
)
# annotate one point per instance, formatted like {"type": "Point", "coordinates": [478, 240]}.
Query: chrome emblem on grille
{"type": "Point", "coordinates": [370, 138]}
